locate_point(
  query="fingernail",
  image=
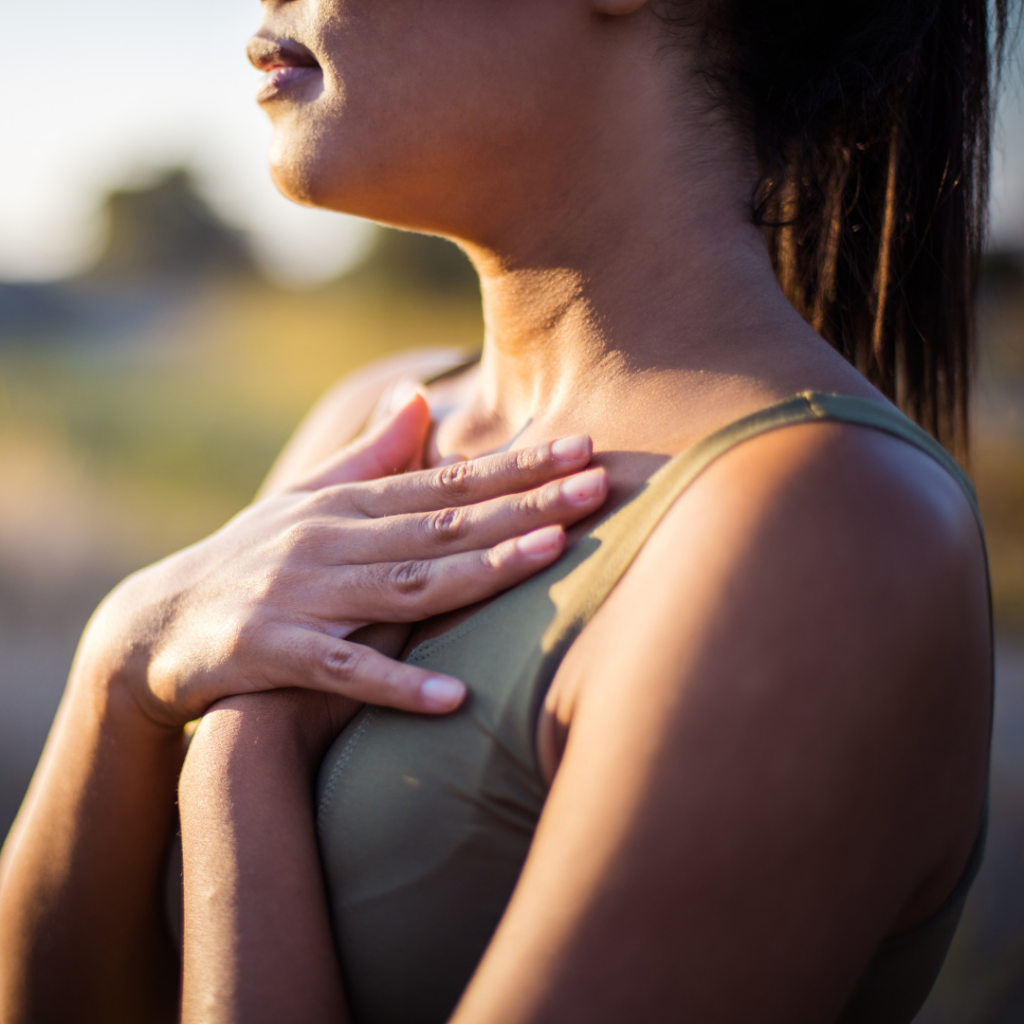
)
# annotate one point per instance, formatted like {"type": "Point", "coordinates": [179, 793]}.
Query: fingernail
{"type": "Point", "coordinates": [584, 487]}
{"type": "Point", "coordinates": [571, 449]}
{"type": "Point", "coordinates": [540, 542]}
{"type": "Point", "coordinates": [442, 694]}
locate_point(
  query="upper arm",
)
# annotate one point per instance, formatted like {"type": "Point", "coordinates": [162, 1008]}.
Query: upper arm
{"type": "Point", "coordinates": [345, 409]}
{"type": "Point", "coordinates": [778, 743]}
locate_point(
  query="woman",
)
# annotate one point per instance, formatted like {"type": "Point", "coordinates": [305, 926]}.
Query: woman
{"type": "Point", "coordinates": [723, 761]}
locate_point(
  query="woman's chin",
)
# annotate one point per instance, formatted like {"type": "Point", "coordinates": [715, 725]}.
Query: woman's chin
{"type": "Point", "coordinates": [300, 175]}
{"type": "Point", "coordinates": [327, 182]}
{"type": "Point", "coordinates": [292, 184]}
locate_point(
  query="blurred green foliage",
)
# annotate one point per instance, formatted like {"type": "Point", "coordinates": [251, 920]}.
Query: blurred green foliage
{"type": "Point", "coordinates": [178, 432]}
{"type": "Point", "coordinates": [166, 230]}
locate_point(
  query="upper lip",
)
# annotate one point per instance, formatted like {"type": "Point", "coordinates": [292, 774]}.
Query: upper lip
{"type": "Point", "coordinates": [267, 54]}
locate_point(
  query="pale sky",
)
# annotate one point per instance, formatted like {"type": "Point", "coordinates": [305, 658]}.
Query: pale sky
{"type": "Point", "coordinates": [95, 94]}
{"type": "Point", "coordinates": [98, 94]}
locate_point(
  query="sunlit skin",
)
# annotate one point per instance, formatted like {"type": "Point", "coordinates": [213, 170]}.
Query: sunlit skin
{"type": "Point", "coordinates": [768, 750]}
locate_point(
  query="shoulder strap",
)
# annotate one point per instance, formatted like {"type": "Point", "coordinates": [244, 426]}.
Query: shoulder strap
{"type": "Point", "coordinates": [889, 419]}
{"type": "Point", "coordinates": [619, 537]}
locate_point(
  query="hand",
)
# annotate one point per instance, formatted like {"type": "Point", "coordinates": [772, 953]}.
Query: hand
{"type": "Point", "coordinates": [268, 601]}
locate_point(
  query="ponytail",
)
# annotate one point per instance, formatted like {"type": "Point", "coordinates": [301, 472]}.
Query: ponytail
{"type": "Point", "coordinates": [872, 121]}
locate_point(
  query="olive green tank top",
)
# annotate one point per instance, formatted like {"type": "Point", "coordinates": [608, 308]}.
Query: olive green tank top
{"type": "Point", "coordinates": [424, 823]}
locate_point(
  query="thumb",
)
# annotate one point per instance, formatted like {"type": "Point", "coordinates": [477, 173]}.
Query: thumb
{"type": "Point", "coordinates": [390, 447]}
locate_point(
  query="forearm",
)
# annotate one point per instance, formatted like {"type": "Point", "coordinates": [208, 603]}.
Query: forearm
{"type": "Point", "coordinates": [81, 922]}
{"type": "Point", "coordinates": [258, 942]}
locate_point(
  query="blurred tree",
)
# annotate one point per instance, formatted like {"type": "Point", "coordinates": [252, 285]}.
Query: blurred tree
{"type": "Point", "coordinates": [168, 231]}
{"type": "Point", "coordinates": [425, 263]}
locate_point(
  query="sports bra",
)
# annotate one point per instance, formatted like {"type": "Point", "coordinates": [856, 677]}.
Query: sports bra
{"type": "Point", "coordinates": [424, 823]}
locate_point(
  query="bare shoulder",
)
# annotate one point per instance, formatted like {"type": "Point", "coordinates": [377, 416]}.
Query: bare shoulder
{"type": "Point", "coordinates": [840, 517]}
{"type": "Point", "coordinates": [807, 632]}
{"type": "Point", "coordinates": [775, 743]}
{"type": "Point", "coordinates": [845, 502]}
{"type": "Point", "coordinates": [344, 410]}
{"type": "Point", "coordinates": [870, 539]}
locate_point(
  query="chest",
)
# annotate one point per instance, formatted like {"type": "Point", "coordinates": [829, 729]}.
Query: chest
{"type": "Point", "coordinates": [424, 823]}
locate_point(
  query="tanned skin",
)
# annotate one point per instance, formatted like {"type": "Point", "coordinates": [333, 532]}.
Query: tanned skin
{"type": "Point", "coordinates": [768, 750]}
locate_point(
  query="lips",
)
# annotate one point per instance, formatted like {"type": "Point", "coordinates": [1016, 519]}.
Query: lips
{"type": "Point", "coordinates": [285, 63]}
{"type": "Point", "coordinates": [281, 79]}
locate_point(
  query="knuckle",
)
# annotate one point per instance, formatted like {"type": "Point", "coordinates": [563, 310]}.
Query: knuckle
{"type": "Point", "coordinates": [343, 662]}
{"type": "Point", "coordinates": [521, 508]}
{"type": "Point", "coordinates": [455, 480]}
{"type": "Point", "coordinates": [326, 500]}
{"type": "Point", "coordinates": [315, 505]}
{"type": "Point", "coordinates": [304, 536]}
{"type": "Point", "coordinates": [409, 579]}
{"type": "Point", "coordinates": [525, 460]}
{"type": "Point", "coordinates": [447, 524]}
{"type": "Point", "coordinates": [362, 499]}
{"type": "Point", "coordinates": [244, 636]}
{"type": "Point", "coordinates": [528, 503]}
{"type": "Point", "coordinates": [495, 559]}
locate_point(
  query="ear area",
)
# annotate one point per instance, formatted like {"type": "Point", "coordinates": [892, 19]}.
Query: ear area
{"type": "Point", "coordinates": [617, 8]}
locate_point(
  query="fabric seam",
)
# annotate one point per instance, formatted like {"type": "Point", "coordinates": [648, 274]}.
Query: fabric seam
{"type": "Point", "coordinates": [339, 765]}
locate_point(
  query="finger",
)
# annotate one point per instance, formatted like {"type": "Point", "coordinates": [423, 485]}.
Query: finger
{"type": "Point", "coordinates": [401, 394]}
{"type": "Point", "coordinates": [317, 661]}
{"type": "Point", "coordinates": [417, 589]}
{"type": "Point", "coordinates": [393, 446]}
{"type": "Point", "coordinates": [475, 480]}
{"type": "Point", "coordinates": [467, 527]}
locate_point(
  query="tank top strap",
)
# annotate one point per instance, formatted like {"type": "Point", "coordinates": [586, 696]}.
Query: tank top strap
{"type": "Point", "coordinates": [619, 537]}
{"type": "Point", "coordinates": [890, 420]}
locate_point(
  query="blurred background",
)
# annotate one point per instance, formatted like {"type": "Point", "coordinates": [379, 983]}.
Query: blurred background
{"type": "Point", "coordinates": [166, 318]}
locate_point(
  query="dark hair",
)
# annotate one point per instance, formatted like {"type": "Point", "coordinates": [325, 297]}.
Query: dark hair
{"type": "Point", "coordinates": [872, 120]}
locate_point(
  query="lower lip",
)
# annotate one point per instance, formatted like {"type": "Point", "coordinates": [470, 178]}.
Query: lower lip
{"type": "Point", "coordinates": [283, 79]}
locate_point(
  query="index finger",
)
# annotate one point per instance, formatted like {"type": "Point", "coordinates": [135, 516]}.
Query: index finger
{"type": "Point", "coordinates": [471, 481]}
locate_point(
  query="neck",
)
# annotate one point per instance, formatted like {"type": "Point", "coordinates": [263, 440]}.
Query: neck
{"type": "Point", "coordinates": [650, 287]}
{"type": "Point", "coordinates": [626, 252]}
